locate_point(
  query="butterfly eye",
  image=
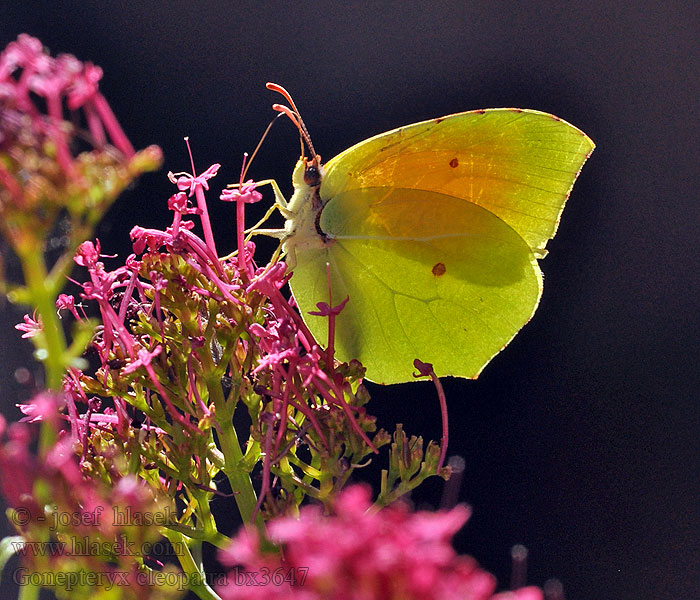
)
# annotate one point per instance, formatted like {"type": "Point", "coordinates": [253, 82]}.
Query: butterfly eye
{"type": "Point", "coordinates": [312, 174]}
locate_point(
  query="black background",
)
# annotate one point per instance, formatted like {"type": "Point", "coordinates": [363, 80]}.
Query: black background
{"type": "Point", "coordinates": [581, 438]}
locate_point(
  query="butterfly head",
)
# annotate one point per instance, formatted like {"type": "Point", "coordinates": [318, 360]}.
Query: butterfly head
{"type": "Point", "coordinates": [308, 173]}
{"type": "Point", "coordinates": [312, 171]}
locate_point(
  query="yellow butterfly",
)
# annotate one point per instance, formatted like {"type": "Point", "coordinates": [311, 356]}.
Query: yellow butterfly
{"type": "Point", "coordinates": [433, 231]}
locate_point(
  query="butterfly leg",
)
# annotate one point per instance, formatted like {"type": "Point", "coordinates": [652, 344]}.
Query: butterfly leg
{"type": "Point", "coordinates": [255, 228]}
{"type": "Point", "coordinates": [280, 201]}
{"type": "Point", "coordinates": [280, 204]}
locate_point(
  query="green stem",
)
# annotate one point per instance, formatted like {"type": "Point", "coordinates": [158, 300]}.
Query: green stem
{"type": "Point", "coordinates": [42, 296]}
{"type": "Point", "coordinates": [28, 591]}
{"type": "Point", "coordinates": [238, 477]}
{"type": "Point", "coordinates": [196, 579]}
{"type": "Point", "coordinates": [207, 518]}
{"type": "Point", "coordinates": [241, 485]}
{"type": "Point", "coordinates": [52, 341]}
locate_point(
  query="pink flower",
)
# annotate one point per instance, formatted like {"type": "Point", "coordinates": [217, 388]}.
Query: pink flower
{"type": "Point", "coordinates": [192, 182]}
{"type": "Point", "coordinates": [17, 466]}
{"type": "Point", "coordinates": [148, 238]}
{"type": "Point", "coordinates": [197, 186]}
{"type": "Point", "coordinates": [525, 593]}
{"type": "Point", "coordinates": [30, 327]}
{"type": "Point", "coordinates": [88, 254]}
{"type": "Point", "coordinates": [27, 72]}
{"type": "Point", "coordinates": [270, 280]}
{"type": "Point", "coordinates": [144, 360]}
{"type": "Point", "coordinates": [85, 86]}
{"type": "Point", "coordinates": [67, 302]}
{"type": "Point", "coordinates": [45, 406]}
{"type": "Point", "coordinates": [324, 310]}
{"type": "Point", "coordinates": [244, 193]}
{"type": "Point", "coordinates": [360, 554]}
{"type": "Point", "coordinates": [179, 203]}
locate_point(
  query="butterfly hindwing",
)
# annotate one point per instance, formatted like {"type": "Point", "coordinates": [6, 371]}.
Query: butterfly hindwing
{"type": "Point", "coordinates": [428, 277]}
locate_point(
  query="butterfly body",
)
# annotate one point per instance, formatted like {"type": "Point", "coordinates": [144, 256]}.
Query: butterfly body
{"type": "Point", "coordinates": [303, 210]}
{"type": "Point", "coordinates": [433, 231]}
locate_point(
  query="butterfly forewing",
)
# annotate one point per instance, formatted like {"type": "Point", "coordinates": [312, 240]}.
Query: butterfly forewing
{"type": "Point", "coordinates": [518, 164]}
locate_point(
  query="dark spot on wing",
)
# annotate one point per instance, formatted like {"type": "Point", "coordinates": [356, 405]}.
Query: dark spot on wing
{"type": "Point", "coordinates": [439, 120]}
{"type": "Point", "coordinates": [481, 111]}
{"type": "Point", "coordinates": [439, 269]}
{"type": "Point", "coordinates": [454, 163]}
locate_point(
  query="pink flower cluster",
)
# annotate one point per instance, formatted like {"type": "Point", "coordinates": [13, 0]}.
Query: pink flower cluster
{"type": "Point", "coordinates": [360, 554]}
{"type": "Point", "coordinates": [27, 72]}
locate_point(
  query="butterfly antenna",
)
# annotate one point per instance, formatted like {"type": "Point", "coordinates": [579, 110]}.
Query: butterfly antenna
{"type": "Point", "coordinates": [294, 115]}
{"type": "Point", "coordinates": [262, 139]}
